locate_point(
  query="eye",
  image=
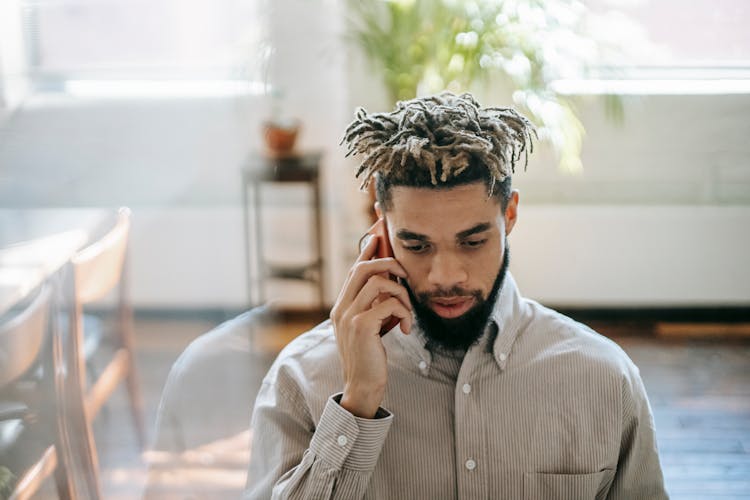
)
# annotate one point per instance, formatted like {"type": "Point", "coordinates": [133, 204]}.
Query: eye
{"type": "Point", "coordinates": [416, 248]}
{"type": "Point", "coordinates": [474, 243]}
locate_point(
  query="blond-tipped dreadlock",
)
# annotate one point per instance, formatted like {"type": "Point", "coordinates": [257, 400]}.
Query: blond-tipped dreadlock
{"type": "Point", "coordinates": [445, 133]}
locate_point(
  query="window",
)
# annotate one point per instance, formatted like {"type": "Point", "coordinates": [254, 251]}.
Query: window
{"type": "Point", "coordinates": [143, 46]}
{"type": "Point", "coordinates": [695, 33]}
{"type": "Point", "coordinates": [673, 46]}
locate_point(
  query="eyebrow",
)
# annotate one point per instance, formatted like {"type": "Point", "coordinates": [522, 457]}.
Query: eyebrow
{"type": "Point", "coordinates": [479, 228]}
{"type": "Point", "coordinates": [404, 234]}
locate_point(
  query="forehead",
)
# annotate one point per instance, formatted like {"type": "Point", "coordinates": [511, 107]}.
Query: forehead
{"type": "Point", "coordinates": [442, 211]}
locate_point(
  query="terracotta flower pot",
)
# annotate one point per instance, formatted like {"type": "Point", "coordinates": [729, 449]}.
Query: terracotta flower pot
{"type": "Point", "coordinates": [280, 137]}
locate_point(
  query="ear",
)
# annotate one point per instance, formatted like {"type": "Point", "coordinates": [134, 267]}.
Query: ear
{"type": "Point", "coordinates": [511, 211]}
{"type": "Point", "coordinates": [378, 210]}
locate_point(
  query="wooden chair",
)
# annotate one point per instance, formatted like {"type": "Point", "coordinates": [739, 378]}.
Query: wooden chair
{"type": "Point", "coordinates": [21, 340]}
{"type": "Point", "coordinates": [98, 269]}
{"type": "Point", "coordinates": [42, 417]}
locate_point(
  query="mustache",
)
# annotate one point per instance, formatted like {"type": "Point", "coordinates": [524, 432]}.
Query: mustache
{"type": "Point", "coordinates": [454, 291]}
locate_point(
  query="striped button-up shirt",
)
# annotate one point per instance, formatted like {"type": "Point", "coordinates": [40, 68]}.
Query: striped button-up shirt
{"type": "Point", "coordinates": [541, 408]}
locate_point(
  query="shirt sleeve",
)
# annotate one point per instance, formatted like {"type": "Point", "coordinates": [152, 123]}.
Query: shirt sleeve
{"type": "Point", "coordinates": [292, 458]}
{"type": "Point", "coordinates": [639, 473]}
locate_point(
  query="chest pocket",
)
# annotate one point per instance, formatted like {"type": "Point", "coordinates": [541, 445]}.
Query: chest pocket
{"type": "Point", "coordinates": [542, 486]}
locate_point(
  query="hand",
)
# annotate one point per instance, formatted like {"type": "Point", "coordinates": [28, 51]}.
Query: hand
{"type": "Point", "coordinates": [365, 302]}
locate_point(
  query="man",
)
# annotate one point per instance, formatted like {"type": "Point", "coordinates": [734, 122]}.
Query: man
{"type": "Point", "coordinates": [478, 392]}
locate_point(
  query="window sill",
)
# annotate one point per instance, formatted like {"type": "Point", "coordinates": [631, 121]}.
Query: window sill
{"type": "Point", "coordinates": [652, 87]}
{"type": "Point", "coordinates": [160, 89]}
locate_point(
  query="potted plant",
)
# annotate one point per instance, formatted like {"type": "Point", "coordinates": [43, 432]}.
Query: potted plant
{"type": "Point", "coordinates": [425, 46]}
{"type": "Point", "coordinates": [279, 131]}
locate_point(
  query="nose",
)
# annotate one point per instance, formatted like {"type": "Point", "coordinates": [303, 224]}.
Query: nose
{"type": "Point", "coordinates": [447, 270]}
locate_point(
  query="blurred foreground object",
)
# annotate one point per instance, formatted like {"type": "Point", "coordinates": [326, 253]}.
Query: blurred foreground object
{"type": "Point", "coordinates": [202, 441]}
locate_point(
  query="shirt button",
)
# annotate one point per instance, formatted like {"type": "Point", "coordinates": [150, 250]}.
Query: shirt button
{"type": "Point", "coordinates": [422, 365]}
{"type": "Point", "coordinates": [342, 440]}
{"type": "Point", "coordinates": [502, 356]}
{"type": "Point", "coordinates": [466, 388]}
{"type": "Point", "coordinates": [471, 464]}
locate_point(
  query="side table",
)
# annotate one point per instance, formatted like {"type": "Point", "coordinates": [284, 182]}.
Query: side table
{"type": "Point", "coordinates": [263, 168]}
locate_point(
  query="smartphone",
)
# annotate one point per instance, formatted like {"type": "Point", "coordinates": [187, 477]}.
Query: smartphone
{"type": "Point", "coordinates": [380, 231]}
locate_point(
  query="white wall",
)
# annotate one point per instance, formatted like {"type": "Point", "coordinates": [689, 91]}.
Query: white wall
{"type": "Point", "coordinates": [680, 149]}
{"type": "Point", "coordinates": [176, 163]}
{"type": "Point", "coordinates": [565, 255]}
{"type": "Point", "coordinates": [633, 256]}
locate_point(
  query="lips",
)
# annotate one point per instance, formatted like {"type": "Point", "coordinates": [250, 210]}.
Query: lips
{"type": "Point", "coordinates": [451, 307]}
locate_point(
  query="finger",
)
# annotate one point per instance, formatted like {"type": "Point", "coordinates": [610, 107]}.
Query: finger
{"type": "Point", "coordinates": [363, 271]}
{"type": "Point", "coordinates": [371, 320]}
{"type": "Point", "coordinates": [368, 251]}
{"type": "Point", "coordinates": [393, 307]}
{"type": "Point", "coordinates": [376, 266]}
{"type": "Point", "coordinates": [406, 325]}
{"type": "Point", "coordinates": [375, 288]}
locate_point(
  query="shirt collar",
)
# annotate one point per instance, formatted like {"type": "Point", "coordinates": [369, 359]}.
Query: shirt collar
{"type": "Point", "coordinates": [505, 319]}
{"type": "Point", "coordinates": [509, 313]}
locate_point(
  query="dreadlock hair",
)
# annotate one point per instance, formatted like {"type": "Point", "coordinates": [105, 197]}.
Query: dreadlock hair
{"type": "Point", "coordinates": [439, 142]}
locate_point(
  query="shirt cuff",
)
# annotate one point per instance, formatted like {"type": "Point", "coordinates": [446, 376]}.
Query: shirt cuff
{"type": "Point", "coordinates": [346, 441]}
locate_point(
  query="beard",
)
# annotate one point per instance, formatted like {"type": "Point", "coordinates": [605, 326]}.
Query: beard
{"type": "Point", "coordinates": [456, 334]}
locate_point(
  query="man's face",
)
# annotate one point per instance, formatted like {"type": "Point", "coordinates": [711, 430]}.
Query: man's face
{"type": "Point", "coordinates": [451, 242]}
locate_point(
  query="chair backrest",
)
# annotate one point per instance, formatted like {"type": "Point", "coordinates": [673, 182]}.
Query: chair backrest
{"type": "Point", "coordinates": [99, 266]}
{"type": "Point", "coordinates": [21, 348]}
{"type": "Point", "coordinates": [222, 358]}
{"type": "Point", "coordinates": [22, 337]}
{"type": "Point", "coordinates": [204, 414]}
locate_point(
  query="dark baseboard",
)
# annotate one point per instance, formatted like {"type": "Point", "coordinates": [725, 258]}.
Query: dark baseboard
{"type": "Point", "coordinates": [217, 315]}
{"type": "Point", "coordinates": [639, 318]}
{"type": "Point", "coordinates": [665, 322]}
{"type": "Point", "coordinates": [707, 314]}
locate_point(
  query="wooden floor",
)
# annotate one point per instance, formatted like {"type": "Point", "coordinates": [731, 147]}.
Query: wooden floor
{"type": "Point", "coordinates": [699, 391]}
{"type": "Point", "coordinates": [700, 395]}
